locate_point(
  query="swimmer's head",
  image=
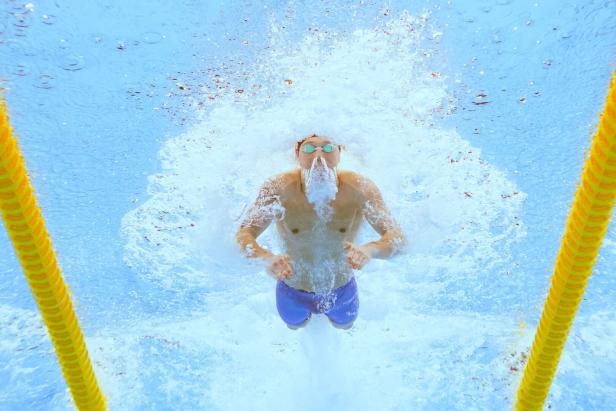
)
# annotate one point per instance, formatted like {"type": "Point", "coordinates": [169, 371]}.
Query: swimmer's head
{"type": "Point", "coordinates": [313, 146]}
{"type": "Point", "coordinates": [318, 158]}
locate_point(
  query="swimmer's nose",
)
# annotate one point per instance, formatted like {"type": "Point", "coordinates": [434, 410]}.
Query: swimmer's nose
{"type": "Point", "coordinates": [319, 160]}
{"type": "Point", "coordinates": [322, 162]}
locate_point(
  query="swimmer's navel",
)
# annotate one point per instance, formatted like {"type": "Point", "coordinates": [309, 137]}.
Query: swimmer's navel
{"type": "Point", "coordinates": [295, 231]}
{"type": "Point", "coordinates": [343, 230]}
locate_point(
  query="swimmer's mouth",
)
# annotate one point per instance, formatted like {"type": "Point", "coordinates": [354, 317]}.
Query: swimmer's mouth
{"type": "Point", "coordinates": [319, 162]}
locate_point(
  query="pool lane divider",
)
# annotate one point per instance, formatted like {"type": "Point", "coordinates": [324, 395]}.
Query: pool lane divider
{"type": "Point", "coordinates": [586, 226]}
{"type": "Point", "coordinates": [26, 228]}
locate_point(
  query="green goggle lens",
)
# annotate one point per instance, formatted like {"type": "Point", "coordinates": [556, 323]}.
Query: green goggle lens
{"type": "Point", "coordinates": [309, 148]}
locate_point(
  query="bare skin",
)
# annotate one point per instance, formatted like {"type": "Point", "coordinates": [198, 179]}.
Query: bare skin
{"type": "Point", "coordinates": [319, 253]}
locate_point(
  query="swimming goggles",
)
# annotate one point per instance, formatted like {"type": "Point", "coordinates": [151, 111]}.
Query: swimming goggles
{"type": "Point", "coordinates": [310, 148]}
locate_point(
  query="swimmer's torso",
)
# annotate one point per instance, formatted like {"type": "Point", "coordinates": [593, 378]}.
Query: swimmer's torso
{"type": "Point", "coordinates": [316, 246]}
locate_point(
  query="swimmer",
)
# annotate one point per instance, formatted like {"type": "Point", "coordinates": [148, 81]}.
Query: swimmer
{"type": "Point", "coordinates": [318, 211]}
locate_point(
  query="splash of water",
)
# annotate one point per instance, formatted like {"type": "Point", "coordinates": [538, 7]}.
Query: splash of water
{"type": "Point", "coordinates": [374, 91]}
{"type": "Point", "coordinates": [321, 187]}
{"type": "Point", "coordinates": [435, 183]}
{"type": "Point", "coordinates": [322, 349]}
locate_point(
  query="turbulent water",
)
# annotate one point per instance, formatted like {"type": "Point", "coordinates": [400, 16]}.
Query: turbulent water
{"type": "Point", "coordinates": [176, 318]}
{"type": "Point", "coordinates": [436, 183]}
{"type": "Point", "coordinates": [374, 91]}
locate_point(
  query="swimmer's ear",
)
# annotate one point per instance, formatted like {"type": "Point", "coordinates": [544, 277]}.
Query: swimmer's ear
{"type": "Point", "coordinates": [341, 147]}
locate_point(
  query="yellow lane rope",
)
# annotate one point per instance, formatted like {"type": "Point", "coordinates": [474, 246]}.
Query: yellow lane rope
{"type": "Point", "coordinates": [586, 227]}
{"type": "Point", "coordinates": [32, 244]}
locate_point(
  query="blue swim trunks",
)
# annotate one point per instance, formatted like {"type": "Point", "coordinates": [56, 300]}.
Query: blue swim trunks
{"type": "Point", "coordinates": [296, 306]}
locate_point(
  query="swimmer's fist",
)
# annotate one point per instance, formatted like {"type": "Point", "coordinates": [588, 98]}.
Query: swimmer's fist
{"type": "Point", "coordinates": [279, 267]}
{"type": "Point", "coordinates": [356, 256]}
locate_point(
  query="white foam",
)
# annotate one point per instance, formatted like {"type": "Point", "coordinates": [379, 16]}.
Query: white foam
{"type": "Point", "coordinates": [373, 91]}
{"type": "Point", "coordinates": [243, 357]}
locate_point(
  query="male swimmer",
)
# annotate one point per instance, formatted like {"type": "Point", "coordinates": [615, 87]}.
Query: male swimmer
{"type": "Point", "coordinates": [318, 211]}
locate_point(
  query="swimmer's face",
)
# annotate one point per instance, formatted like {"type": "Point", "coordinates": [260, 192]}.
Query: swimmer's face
{"type": "Point", "coordinates": [305, 159]}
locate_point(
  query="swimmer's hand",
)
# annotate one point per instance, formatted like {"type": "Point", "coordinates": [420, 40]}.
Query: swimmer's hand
{"type": "Point", "coordinates": [279, 267]}
{"type": "Point", "coordinates": [356, 256]}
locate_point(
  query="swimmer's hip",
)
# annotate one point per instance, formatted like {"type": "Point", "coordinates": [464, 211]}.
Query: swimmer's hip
{"type": "Point", "coordinates": [295, 306]}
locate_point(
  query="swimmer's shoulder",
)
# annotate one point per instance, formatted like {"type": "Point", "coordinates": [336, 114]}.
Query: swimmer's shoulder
{"type": "Point", "coordinates": [358, 183]}
{"type": "Point", "coordinates": [353, 180]}
{"type": "Point", "coordinates": [283, 182]}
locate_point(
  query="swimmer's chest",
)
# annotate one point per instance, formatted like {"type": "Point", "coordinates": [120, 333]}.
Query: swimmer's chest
{"type": "Point", "coordinates": [300, 217]}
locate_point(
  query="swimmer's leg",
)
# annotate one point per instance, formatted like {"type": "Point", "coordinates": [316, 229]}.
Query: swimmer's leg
{"type": "Point", "coordinates": [342, 326]}
{"type": "Point", "coordinates": [346, 306]}
{"type": "Point", "coordinates": [291, 306]}
{"type": "Point", "coordinates": [298, 326]}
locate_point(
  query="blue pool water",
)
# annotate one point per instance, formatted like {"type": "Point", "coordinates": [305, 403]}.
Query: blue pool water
{"type": "Point", "coordinates": [147, 127]}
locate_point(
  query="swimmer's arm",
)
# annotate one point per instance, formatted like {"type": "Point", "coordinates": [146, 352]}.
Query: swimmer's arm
{"type": "Point", "coordinates": [246, 237]}
{"type": "Point", "coordinates": [257, 219]}
{"type": "Point", "coordinates": [379, 217]}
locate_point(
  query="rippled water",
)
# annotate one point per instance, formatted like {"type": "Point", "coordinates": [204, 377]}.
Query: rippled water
{"type": "Point", "coordinates": [148, 128]}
